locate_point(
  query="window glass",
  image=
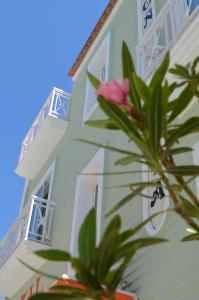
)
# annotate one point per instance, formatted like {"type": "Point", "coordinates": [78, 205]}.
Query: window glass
{"type": "Point", "coordinates": [192, 4]}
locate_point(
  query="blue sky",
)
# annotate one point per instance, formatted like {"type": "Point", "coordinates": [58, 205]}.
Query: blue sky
{"type": "Point", "coordinates": [39, 43]}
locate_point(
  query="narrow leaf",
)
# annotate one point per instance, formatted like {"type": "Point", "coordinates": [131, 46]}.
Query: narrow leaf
{"type": "Point", "coordinates": [191, 210]}
{"type": "Point", "coordinates": [186, 170]}
{"type": "Point", "coordinates": [132, 247]}
{"type": "Point", "coordinates": [111, 148]}
{"type": "Point", "coordinates": [85, 276]}
{"type": "Point", "coordinates": [190, 126]}
{"type": "Point", "coordinates": [54, 255]}
{"type": "Point", "coordinates": [128, 160]}
{"type": "Point", "coordinates": [155, 118]}
{"type": "Point", "coordinates": [180, 71]}
{"type": "Point", "coordinates": [125, 200]}
{"type": "Point", "coordinates": [160, 72]}
{"type": "Point", "coordinates": [181, 103]}
{"type": "Point", "coordinates": [106, 124]}
{"type": "Point", "coordinates": [142, 224]}
{"type": "Point", "coordinates": [115, 223]}
{"type": "Point", "coordinates": [122, 121]}
{"type": "Point", "coordinates": [142, 89]}
{"type": "Point", "coordinates": [191, 237]}
{"type": "Point", "coordinates": [38, 271]}
{"type": "Point", "coordinates": [128, 69]}
{"type": "Point", "coordinates": [94, 81]}
{"type": "Point", "coordinates": [176, 151]}
{"type": "Point", "coordinates": [105, 254]}
{"type": "Point", "coordinates": [52, 296]}
{"type": "Point", "coordinates": [87, 238]}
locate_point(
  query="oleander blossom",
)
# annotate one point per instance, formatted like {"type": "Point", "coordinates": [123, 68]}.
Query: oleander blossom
{"type": "Point", "coordinates": [115, 91]}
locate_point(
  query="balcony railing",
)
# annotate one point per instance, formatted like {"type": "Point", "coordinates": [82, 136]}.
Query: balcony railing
{"type": "Point", "coordinates": [163, 33]}
{"type": "Point", "coordinates": [34, 223]}
{"type": "Point", "coordinates": [57, 105]}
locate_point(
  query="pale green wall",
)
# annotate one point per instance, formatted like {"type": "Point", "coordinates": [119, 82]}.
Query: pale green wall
{"type": "Point", "coordinates": [168, 271]}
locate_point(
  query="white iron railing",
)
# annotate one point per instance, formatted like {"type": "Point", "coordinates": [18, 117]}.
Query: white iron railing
{"type": "Point", "coordinates": [34, 223]}
{"type": "Point", "coordinates": [57, 105]}
{"type": "Point", "coordinates": [163, 33]}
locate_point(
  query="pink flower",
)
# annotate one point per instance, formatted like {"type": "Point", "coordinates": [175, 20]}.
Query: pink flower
{"type": "Point", "coordinates": [115, 91]}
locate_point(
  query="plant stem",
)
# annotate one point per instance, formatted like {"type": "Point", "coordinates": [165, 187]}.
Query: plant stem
{"type": "Point", "coordinates": [178, 207]}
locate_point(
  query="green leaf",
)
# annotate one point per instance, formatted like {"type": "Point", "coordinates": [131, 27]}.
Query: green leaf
{"type": "Point", "coordinates": [105, 254]}
{"type": "Point", "coordinates": [191, 210]}
{"type": "Point", "coordinates": [180, 150]}
{"type": "Point", "coordinates": [190, 126]}
{"type": "Point", "coordinates": [125, 235]}
{"type": "Point", "coordinates": [38, 271]}
{"type": "Point", "coordinates": [54, 255]}
{"type": "Point", "coordinates": [52, 296]}
{"type": "Point", "coordinates": [107, 124]}
{"type": "Point", "coordinates": [194, 65]}
{"type": "Point", "coordinates": [134, 184]}
{"type": "Point", "coordinates": [111, 148]}
{"type": "Point", "coordinates": [191, 237]}
{"type": "Point", "coordinates": [122, 121]}
{"type": "Point", "coordinates": [87, 238]}
{"type": "Point", "coordinates": [128, 159]}
{"type": "Point", "coordinates": [113, 278]}
{"type": "Point", "coordinates": [142, 224]}
{"type": "Point", "coordinates": [165, 98]}
{"type": "Point", "coordinates": [125, 200]}
{"type": "Point", "coordinates": [131, 247]}
{"type": "Point", "coordinates": [186, 170]}
{"type": "Point", "coordinates": [115, 223]}
{"type": "Point", "coordinates": [160, 72]}
{"type": "Point", "coordinates": [112, 173]}
{"type": "Point", "coordinates": [180, 71]}
{"type": "Point", "coordinates": [155, 118]}
{"type": "Point", "coordinates": [181, 103]}
{"type": "Point", "coordinates": [128, 69]}
{"type": "Point", "coordinates": [94, 81]}
{"type": "Point", "coordinates": [176, 85]}
{"type": "Point", "coordinates": [85, 276]}
{"type": "Point", "coordinates": [142, 89]}
{"type": "Point", "coordinates": [118, 116]}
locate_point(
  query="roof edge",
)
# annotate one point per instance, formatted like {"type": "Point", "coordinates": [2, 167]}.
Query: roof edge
{"type": "Point", "coordinates": [92, 37]}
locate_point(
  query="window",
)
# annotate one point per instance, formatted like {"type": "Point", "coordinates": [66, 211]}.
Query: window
{"type": "Point", "coordinates": [88, 195]}
{"type": "Point", "coordinates": [41, 215]}
{"type": "Point", "coordinates": [146, 15]}
{"type": "Point", "coordinates": [156, 200]}
{"type": "Point", "coordinates": [191, 5]}
{"type": "Point", "coordinates": [99, 67]}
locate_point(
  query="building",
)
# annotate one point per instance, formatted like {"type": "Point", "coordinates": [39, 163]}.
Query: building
{"type": "Point", "coordinates": [58, 194]}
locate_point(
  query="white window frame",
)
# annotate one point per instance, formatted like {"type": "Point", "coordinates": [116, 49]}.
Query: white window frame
{"type": "Point", "coordinates": [106, 42]}
{"type": "Point", "coordinates": [140, 18]}
{"type": "Point", "coordinates": [76, 223]}
{"type": "Point", "coordinates": [150, 230]}
{"type": "Point", "coordinates": [50, 172]}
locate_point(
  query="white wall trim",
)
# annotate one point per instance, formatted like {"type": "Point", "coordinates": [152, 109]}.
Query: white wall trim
{"type": "Point", "coordinates": [23, 195]}
{"type": "Point", "coordinates": [148, 227]}
{"type": "Point", "coordinates": [105, 43]}
{"type": "Point", "coordinates": [99, 155]}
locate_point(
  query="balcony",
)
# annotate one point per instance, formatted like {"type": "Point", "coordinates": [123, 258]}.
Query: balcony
{"type": "Point", "coordinates": [175, 18]}
{"type": "Point", "coordinates": [31, 232]}
{"type": "Point", "coordinates": [44, 135]}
